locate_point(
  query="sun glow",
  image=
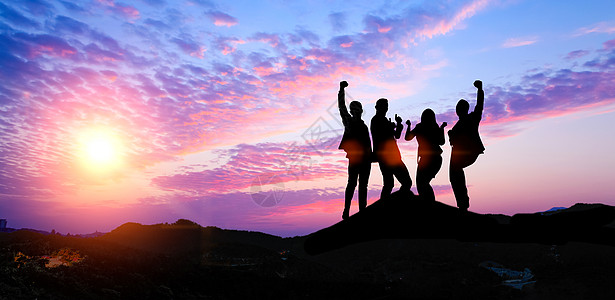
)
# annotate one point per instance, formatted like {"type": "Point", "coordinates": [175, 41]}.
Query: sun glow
{"type": "Point", "coordinates": [100, 150]}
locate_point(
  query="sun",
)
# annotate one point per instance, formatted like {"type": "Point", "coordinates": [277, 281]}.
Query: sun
{"type": "Point", "coordinates": [100, 149]}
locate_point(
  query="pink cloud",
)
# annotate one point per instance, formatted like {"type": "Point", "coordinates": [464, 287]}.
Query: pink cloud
{"type": "Point", "coordinates": [544, 95]}
{"type": "Point", "coordinates": [122, 9]}
{"type": "Point", "coordinates": [221, 19]}
{"type": "Point", "coordinates": [519, 42]}
{"type": "Point", "coordinates": [228, 45]}
{"type": "Point", "coordinates": [44, 44]}
{"type": "Point", "coordinates": [272, 39]}
{"type": "Point", "coordinates": [444, 25]}
{"type": "Point", "coordinates": [383, 29]}
{"type": "Point", "coordinates": [602, 27]}
{"type": "Point", "coordinates": [127, 11]}
{"type": "Point", "coordinates": [165, 106]}
{"type": "Point", "coordinates": [270, 162]}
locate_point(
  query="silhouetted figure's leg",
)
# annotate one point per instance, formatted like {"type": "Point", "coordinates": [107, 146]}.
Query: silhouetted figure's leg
{"type": "Point", "coordinates": [353, 174]}
{"type": "Point", "coordinates": [458, 178]}
{"type": "Point", "coordinates": [387, 180]}
{"type": "Point", "coordinates": [363, 181]}
{"type": "Point", "coordinates": [403, 176]}
{"type": "Point", "coordinates": [458, 183]}
{"type": "Point", "coordinates": [426, 170]}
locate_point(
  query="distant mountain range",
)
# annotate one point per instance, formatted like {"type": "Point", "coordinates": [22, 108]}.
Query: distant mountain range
{"type": "Point", "coordinates": [397, 248]}
{"type": "Point", "coordinates": [400, 216]}
{"type": "Point", "coordinates": [88, 235]}
{"type": "Point", "coordinates": [185, 236]}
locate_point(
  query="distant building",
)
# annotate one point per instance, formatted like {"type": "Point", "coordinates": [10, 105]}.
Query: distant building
{"type": "Point", "coordinates": [2, 223]}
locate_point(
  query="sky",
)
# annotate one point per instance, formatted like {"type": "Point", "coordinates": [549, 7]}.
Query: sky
{"type": "Point", "coordinates": [224, 112]}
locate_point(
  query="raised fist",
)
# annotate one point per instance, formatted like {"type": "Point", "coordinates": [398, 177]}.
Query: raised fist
{"type": "Point", "coordinates": [443, 125]}
{"type": "Point", "coordinates": [408, 123]}
{"type": "Point", "coordinates": [478, 84]}
{"type": "Point", "coordinates": [343, 84]}
{"type": "Point", "coordinates": [398, 119]}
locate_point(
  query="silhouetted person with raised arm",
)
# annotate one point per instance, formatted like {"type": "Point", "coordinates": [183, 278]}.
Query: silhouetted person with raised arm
{"type": "Point", "coordinates": [384, 134]}
{"type": "Point", "coordinates": [466, 144]}
{"type": "Point", "coordinates": [429, 136]}
{"type": "Point", "coordinates": [358, 147]}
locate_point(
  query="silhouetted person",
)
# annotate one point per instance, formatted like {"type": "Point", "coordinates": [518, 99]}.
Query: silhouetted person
{"type": "Point", "coordinates": [466, 144]}
{"type": "Point", "coordinates": [358, 147]}
{"type": "Point", "coordinates": [384, 133]}
{"type": "Point", "coordinates": [429, 136]}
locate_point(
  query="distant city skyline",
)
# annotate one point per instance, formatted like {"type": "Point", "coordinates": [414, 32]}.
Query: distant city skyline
{"type": "Point", "coordinates": [224, 113]}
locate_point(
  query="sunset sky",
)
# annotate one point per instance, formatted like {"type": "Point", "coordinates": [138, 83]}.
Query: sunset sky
{"type": "Point", "coordinates": [224, 112]}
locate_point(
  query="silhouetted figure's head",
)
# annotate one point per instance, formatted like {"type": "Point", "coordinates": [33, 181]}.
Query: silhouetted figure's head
{"type": "Point", "coordinates": [462, 108]}
{"type": "Point", "coordinates": [382, 106]}
{"type": "Point", "coordinates": [428, 117]}
{"type": "Point", "coordinates": [356, 109]}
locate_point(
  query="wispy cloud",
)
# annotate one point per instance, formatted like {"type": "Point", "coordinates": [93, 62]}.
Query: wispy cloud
{"type": "Point", "coordinates": [248, 164]}
{"type": "Point", "coordinates": [602, 27]}
{"type": "Point", "coordinates": [443, 25]}
{"type": "Point", "coordinates": [165, 104]}
{"type": "Point", "coordinates": [127, 11]}
{"type": "Point", "coordinates": [169, 85]}
{"type": "Point", "coordinates": [519, 42]}
{"type": "Point", "coordinates": [577, 54]}
{"type": "Point", "coordinates": [548, 93]}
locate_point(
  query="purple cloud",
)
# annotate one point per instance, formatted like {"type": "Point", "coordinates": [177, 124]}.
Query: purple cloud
{"type": "Point", "coordinates": [278, 162]}
{"type": "Point", "coordinates": [126, 11]}
{"type": "Point", "coordinates": [68, 75]}
{"type": "Point", "coordinates": [221, 19]}
{"type": "Point", "coordinates": [70, 26]}
{"type": "Point", "coordinates": [577, 54]}
{"type": "Point", "coordinates": [338, 21]}
{"type": "Point", "coordinates": [189, 46]}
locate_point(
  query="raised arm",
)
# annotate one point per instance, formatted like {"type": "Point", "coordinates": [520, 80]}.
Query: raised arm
{"type": "Point", "coordinates": [441, 134]}
{"type": "Point", "coordinates": [480, 97]}
{"type": "Point", "coordinates": [409, 133]}
{"type": "Point", "coordinates": [398, 126]}
{"type": "Point", "coordinates": [341, 103]}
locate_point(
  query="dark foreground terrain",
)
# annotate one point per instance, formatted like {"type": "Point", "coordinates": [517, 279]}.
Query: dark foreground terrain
{"type": "Point", "coordinates": [186, 261]}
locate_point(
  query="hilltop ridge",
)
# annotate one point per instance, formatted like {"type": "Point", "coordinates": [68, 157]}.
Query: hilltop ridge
{"type": "Point", "coordinates": [185, 236]}
{"type": "Point", "coordinates": [407, 216]}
